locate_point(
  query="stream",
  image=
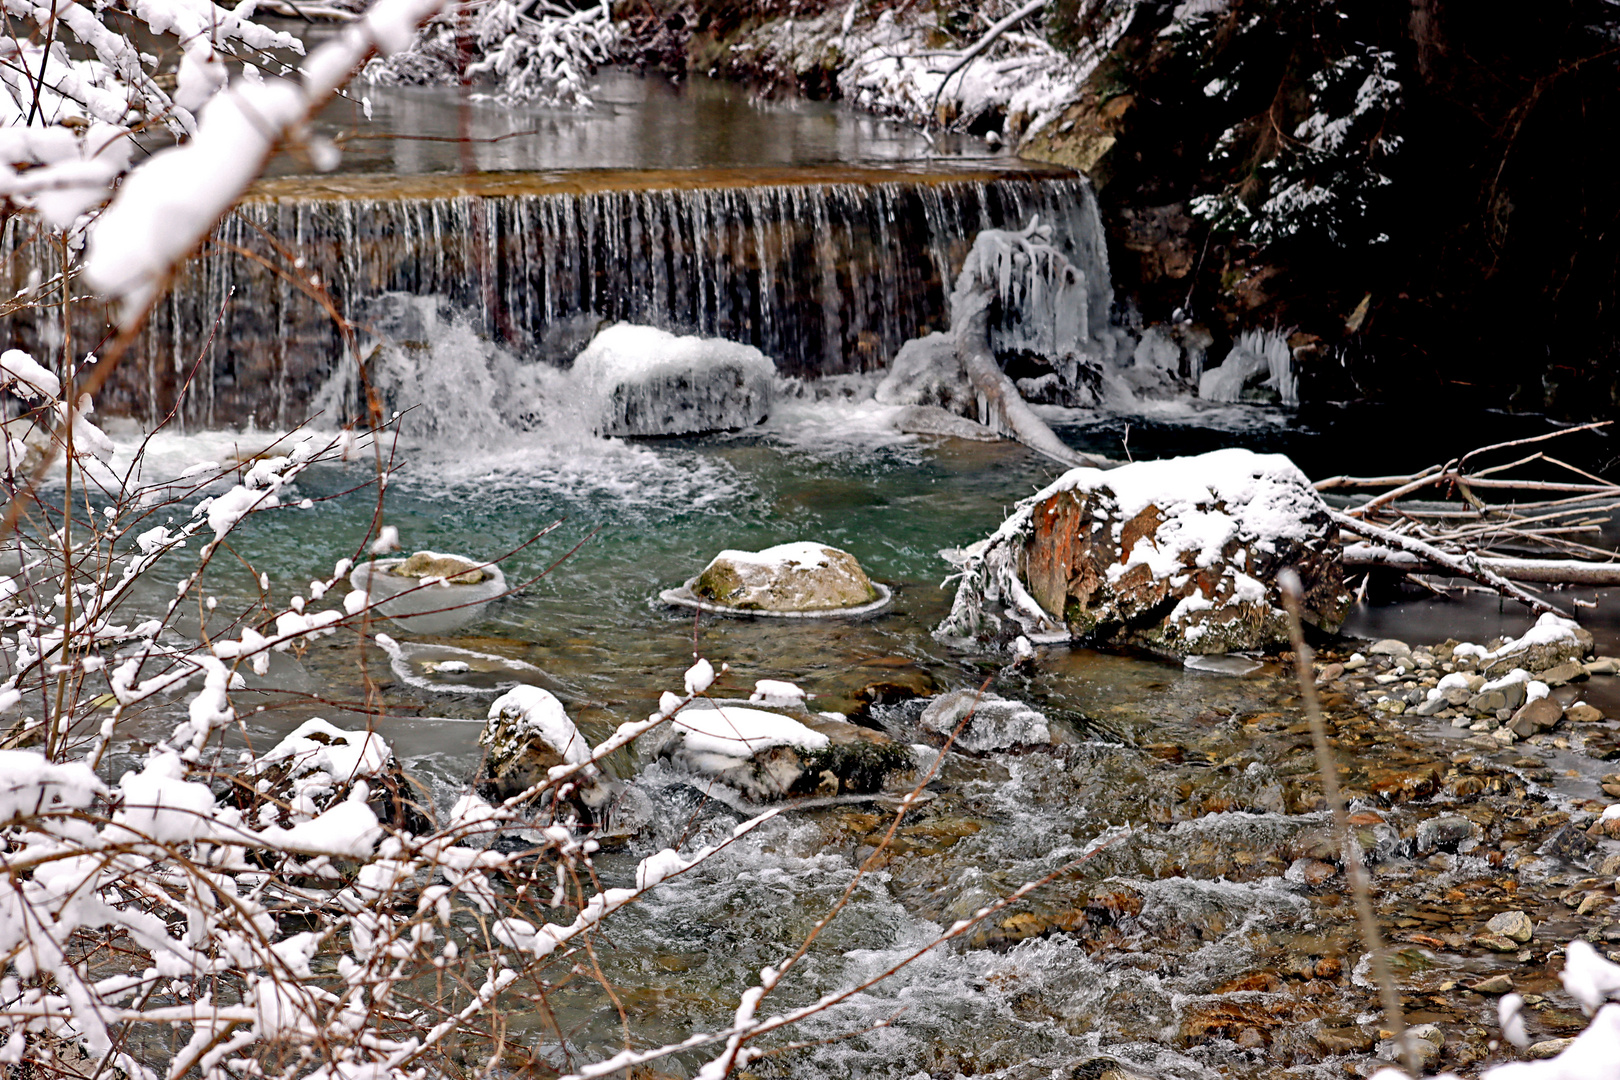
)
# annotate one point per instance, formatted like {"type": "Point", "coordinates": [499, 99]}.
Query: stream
{"type": "Point", "coordinates": [1211, 935]}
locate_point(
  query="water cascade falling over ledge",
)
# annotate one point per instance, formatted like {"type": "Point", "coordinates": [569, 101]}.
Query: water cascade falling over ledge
{"type": "Point", "coordinates": [827, 271]}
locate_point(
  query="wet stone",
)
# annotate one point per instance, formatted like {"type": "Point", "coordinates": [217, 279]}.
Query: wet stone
{"type": "Point", "coordinates": [1497, 942]}
{"type": "Point", "coordinates": [1442, 832]}
{"type": "Point", "coordinates": [996, 723]}
{"type": "Point", "coordinates": [1496, 984]}
{"type": "Point", "coordinates": [1488, 702]}
{"type": "Point", "coordinates": [1513, 924]}
{"type": "Point", "coordinates": [1548, 1048]}
{"type": "Point", "coordinates": [1582, 713]}
{"type": "Point", "coordinates": [1568, 671]}
{"type": "Point", "coordinates": [1392, 647]}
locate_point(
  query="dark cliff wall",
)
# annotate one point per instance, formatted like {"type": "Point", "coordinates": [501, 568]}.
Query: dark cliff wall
{"type": "Point", "coordinates": [1459, 237]}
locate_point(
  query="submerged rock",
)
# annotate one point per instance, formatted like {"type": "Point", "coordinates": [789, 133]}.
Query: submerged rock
{"type": "Point", "coordinates": [1179, 556]}
{"type": "Point", "coordinates": [933, 420]}
{"type": "Point", "coordinates": [769, 755]}
{"type": "Point", "coordinates": [803, 576]}
{"type": "Point", "coordinates": [997, 723]}
{"type": "Point", "coordinates": [430, 564]}
{"type": "Point", "coordinates": [649, 382]}
{"type": "Point", "coordinates": [429, 592]}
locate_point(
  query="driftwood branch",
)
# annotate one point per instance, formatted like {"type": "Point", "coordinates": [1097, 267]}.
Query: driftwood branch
{"type": "Point", "coordinates": [1467, 565]}
{"type": "Point", "coordinates": [1544, 571]}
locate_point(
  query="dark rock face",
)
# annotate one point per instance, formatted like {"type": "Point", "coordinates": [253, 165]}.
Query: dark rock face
{"type": "Point", "coordinates": [1474, 253]}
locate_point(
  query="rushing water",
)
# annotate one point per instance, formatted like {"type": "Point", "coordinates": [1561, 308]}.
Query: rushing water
{"type": "Point", "coordinates": [1019, 999]}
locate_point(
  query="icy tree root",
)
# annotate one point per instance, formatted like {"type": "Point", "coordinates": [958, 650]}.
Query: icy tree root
{"type": "Point", "coordinates": [1001, 407]}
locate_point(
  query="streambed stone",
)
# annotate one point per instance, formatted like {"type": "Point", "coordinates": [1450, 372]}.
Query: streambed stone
{"type": "Point", "coordinates": [769, 755]}
{"type": "Point", "coordinates": [429, 592]}
{"type": "Point", "coordinates": [996, 723]}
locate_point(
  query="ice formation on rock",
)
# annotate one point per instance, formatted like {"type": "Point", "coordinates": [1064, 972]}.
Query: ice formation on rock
{"type": "Point", "coordinates": [646, 381]}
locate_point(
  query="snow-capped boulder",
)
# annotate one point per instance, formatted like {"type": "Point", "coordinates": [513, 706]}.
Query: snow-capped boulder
{"type": "Point", "coordinates": [803, 576]}
{"type": "Point", "coordinates": [770, 755]}
{"type": "Point", "coordinates": [997, 723]}
{"type": "Point", "coordinates": [528, 733]}
{"type": "Point", "coordinates": [1552, 641]}
{"type": "Point", "coordinates": [429, 592]}
{"type": "Point", "coordinates": [1179, 556]}
{"type": "Point", "coordinates": [649, 382]}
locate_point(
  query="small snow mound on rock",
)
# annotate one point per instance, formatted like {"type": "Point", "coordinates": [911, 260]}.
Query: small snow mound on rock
{"type": "Point", "coordinates": [800, 576]}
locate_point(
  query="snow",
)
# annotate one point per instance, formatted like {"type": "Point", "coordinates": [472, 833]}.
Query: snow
{"type": "Point", "coordinates": [800, 555]}
{"type": "Point", "coordinates": [527, 710]}
{"type": "Point", "coordinates": [30, 785]}
{"type": "Point", "coordinates": [168, 204]}
{"type": "Point", "coordinates": [28, 379]}
{"type": "Point", "coordinates": [732, 731]}
{"type": "Point", "coordinates": [160, 805]}
{"type": "Point", "coordinates": [699, 677]}
{"type": "Point", "coordinates": [341, 755]}
{"type": "Point", "coordinates": [1594, 1055]}
{"type": "Point", "coordinates": [349, 829]}
{"type": "Point", "coordinates": [1588, 977]}
{"type": "Point", "coordinates": [776, 692]}
{"type": "Point", "coordinates": [646, 381]}
{"type": "Point", "coordinates": [1550, 629]}
{"type": "Point", "coordinates": [1265, 497]}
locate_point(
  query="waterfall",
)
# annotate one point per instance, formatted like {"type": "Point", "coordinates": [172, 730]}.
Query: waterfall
{"type": "Point", "coordinates": [824, 277]}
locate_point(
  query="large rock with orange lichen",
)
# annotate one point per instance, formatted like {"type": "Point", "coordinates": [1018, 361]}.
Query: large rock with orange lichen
{"type": "Point", "coordinates": [1178, 556]}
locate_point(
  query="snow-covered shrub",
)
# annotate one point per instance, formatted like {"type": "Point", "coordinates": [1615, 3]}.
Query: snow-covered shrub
{"type": "Point", "coordinates": [1014, 83]}
{"type": "Point", "coordinates": [535, 52]}
{"type": "Point", "coordinates": [1322, 179]}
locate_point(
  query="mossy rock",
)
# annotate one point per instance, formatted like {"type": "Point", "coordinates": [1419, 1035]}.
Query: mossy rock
{"type": "Point", "coordinates": [791, 577]}
{"type": "Point", "coordinates": [431, 564]}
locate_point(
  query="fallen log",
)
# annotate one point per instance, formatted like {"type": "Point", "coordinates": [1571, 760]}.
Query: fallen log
{"type": "Point", "coordinates": [1001, 407]}
{"type": "Point", "coordinates": [1363, 556]}
{"type": "Point", "coordinates": [1468, 565]}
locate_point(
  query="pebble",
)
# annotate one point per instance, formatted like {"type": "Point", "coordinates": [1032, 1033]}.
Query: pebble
{"type": "Point", "coordinates": [1355, 663]}
{"type": "Point", "coordinates": [1610, 867]}
{"type": "Point", "coordinates": [1488, 702]}
{"type": "Point", "coordinates": [1548, 1048]}
{"type": "Point", "coordinates": [1513, 924]}
{"type": "Point", "coordinates": [1330, 673]}
{"type": "Point", "coordinates": [1497, 942]}
{"type": "Point", "coordinates": [1432, 706]}
{"type": "Point", "coordinates": [1438, 832]}
{"type": "Point", "coordinates": [1568, 671]}
{"type": "Point", "coordinates": [1400, 650]}
{"type": "Point", "coordinates": [1538, 715]}
{"type": "Point", "coordinates": [1496, 984]}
